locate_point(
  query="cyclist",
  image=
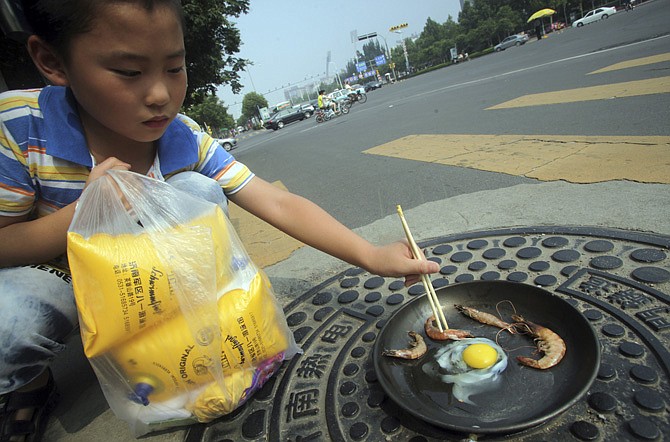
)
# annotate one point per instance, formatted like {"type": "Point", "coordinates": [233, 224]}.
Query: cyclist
{"type": "Point", "coordinates": [325, 103]}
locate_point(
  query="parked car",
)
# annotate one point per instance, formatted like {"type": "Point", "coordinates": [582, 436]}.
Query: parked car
{"type": "Point", "coordinates": [512, 40]}
{"type": "Point", "coordinates": [227, 143]}
{"type": "Point", "coordinates": [284, 117]}
{"type": "Point", "coordinates": [308, 108]}
{"type": "Point", "coordinates": [595, 15]}
{"type": "Point", "coordinates": [373, 85]}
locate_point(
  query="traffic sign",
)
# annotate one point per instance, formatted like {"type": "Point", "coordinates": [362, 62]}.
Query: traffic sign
{"type": "Point", "coordinates": [363, 37]}
{"type": "Point", "coordinates": [380, 60]}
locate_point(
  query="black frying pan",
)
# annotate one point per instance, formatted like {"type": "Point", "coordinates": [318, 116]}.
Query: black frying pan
{"type": "Point", "coordinates": [526, 397]}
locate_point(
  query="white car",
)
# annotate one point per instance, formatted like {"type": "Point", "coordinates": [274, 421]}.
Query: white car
{"type": "Point", "coordinates": [338, 95]}
{"type": "Point", "coordinates": [227, 143]}
{"type": "Point", "coordinates": [595, 15]}
{"type": "Point", "coordinates": [359, 89]}
{"type": "Point", "coordinates": [343, 94]}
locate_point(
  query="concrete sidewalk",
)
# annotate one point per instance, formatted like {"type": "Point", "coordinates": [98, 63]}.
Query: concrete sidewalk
{"type": "Point", "coordinates": [617, 204]}
{"type": "Point", "coordinates": [83, 415]}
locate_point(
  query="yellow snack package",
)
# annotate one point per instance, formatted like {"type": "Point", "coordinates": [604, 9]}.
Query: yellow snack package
{"type": "Point", "coordinates": [168, 359]}
{"type": "Point", "coordinates": [177, 322]}
{"type": "Point", "coordinates": [132, 289]}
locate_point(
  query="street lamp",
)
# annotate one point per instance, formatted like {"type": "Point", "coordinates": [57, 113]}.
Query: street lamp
{"type": "Point", "coordinates": [390, 56]}
{"type": "Point", "coordinates": [404, 49]}
{"type": "Point", "coordinates": [246, 69]}
{"type": "Point", "coordinates": [337, 74]}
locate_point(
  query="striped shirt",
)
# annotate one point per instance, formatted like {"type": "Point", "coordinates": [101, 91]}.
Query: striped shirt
{"type": "Point", "coordinates": [45, 161]}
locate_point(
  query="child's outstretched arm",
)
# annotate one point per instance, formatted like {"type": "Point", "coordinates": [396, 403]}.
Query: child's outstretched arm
{"type": "Point", "coordinates": [307, 222]}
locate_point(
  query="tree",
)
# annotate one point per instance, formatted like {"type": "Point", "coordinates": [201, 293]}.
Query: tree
{"type": "Point", "coordinates": [367, 54]}
{"type": "Point", "coordinates": [211, 113]}
{"type": "Point", "coordinates": [250, 104]}
{"type": "Point", "coordinates": [211, 41]}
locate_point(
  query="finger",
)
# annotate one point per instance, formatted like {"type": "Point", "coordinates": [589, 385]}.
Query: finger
{"type": "Point", "coordinates": [113, 163]}
{"type": "Point", "coordinates": [411, 280]}
{"type": "Point", "coordinates": [427, 267]}
{"type": "Point", "coordinates": [121, 166]}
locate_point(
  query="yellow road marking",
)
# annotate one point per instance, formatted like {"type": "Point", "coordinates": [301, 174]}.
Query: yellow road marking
{"type": "Point", "coordinates": [616, 90]}
{"type": "Point", "coordinates": [265, 244]}
{"type": "Point", "coordinates": [573, 158]}
{"type": "Point", "coordinates": [634, 63]}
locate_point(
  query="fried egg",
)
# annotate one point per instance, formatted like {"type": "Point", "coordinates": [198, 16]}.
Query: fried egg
{"type": "Point", "coordinates": [472, 365]}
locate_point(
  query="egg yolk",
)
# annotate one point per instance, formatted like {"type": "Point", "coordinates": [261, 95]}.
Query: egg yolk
{"type": "Point", "coordinates": [480, 355]}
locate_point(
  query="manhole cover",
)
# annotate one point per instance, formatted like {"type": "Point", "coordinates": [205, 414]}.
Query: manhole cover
{"type": "Point", "coordinates": [618, 280]}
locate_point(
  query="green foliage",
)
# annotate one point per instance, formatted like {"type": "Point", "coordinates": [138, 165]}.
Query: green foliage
{"type": "Point", "coordinates": [212, 113]}
{"type": "Point", "coordinates": [250, 104]}
{"type": "Point", "coordinates": [481, 25]}
{"type": "Point", "coordinates": [211, 41]}
{"type": "Point", "coordinates": [370, 50]}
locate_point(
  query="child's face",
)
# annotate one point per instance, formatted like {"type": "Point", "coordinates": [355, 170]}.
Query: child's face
{"type": "Point", "coordinates": [128, 72]}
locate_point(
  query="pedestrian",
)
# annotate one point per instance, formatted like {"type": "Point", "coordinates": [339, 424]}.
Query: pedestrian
{"type": "Point", "coordinates": [117, 76]}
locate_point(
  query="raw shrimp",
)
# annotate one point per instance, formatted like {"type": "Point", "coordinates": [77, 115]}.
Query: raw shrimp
{"type": "Point", "coordinates": [448, 334]}
{"type": "Point", "coordinates": [485, 318]}
{"type": "Point", "coordinates": [417, 348]}
{"type": "Point", "coordinates": [547, 342]}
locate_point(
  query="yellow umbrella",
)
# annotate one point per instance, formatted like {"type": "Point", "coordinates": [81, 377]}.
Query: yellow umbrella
{"type": "Point", "coordinates": [541, 13]}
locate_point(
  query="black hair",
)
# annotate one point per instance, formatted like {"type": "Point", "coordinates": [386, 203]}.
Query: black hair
{"type": "Point", "coordinates": [322, 92]}
{"type": "Point", "coordinates": [57, 22]}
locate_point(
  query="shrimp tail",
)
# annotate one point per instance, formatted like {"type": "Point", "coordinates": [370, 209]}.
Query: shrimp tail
{"type": "Point", "coordinates": [417, 348]}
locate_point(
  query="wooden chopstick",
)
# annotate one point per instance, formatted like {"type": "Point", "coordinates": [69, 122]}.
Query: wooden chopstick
{"type": "Point", "coordinates": [430, 291]}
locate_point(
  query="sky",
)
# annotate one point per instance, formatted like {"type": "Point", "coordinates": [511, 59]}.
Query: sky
{"type": "Point", "coordinates": [288, 41]}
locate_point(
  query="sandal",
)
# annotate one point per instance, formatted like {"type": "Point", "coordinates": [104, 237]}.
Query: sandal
{"type": "Point", "coordinates": [41, 400]}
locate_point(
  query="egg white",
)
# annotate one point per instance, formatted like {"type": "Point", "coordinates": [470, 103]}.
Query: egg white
{"type": "Point", "coordinates": [468, 381]}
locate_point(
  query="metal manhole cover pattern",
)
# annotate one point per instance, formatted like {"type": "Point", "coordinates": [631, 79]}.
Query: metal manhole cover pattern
{"type": "Point", "coordinates": [620, 281]}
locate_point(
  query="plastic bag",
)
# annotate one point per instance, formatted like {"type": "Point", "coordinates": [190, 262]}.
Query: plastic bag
{"type": "Point", "coordinates": [177, 322]}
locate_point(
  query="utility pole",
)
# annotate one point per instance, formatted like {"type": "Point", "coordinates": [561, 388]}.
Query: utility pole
{"type": "Point", "coordinates": [397, 30]}
{"type": "Point", "coordinates": [404, 49]}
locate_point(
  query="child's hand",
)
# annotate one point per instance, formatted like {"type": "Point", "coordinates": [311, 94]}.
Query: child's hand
{"type": "Point", "coordinates": [102, 168]}
{"type": "Point", "coordinates": [396, 259]}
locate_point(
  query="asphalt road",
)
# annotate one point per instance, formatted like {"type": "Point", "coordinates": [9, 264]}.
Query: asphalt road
{"type": "Point", "coordinates": [326, 163]}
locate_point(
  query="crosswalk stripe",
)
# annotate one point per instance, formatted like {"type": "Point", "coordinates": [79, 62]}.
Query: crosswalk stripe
{"type": "Point", "coordinates": [634, 63]}
{"type": "Point", "coordinates": [602, 92]}
{"type": "Point", "coordinates": [573, 158]}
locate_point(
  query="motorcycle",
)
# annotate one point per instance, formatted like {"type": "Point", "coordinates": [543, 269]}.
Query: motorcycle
{"type": "Point", "coordinates": [325, 115]}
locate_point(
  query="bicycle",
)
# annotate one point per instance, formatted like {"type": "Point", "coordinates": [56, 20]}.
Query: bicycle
{"type": "Point", "coordinates": [322, 115]}
{"type": "Point", "coordinates": [358, 97]}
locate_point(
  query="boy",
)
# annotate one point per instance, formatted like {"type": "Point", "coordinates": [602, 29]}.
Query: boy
{"type": "Point", "coordinates": [118, 81]}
